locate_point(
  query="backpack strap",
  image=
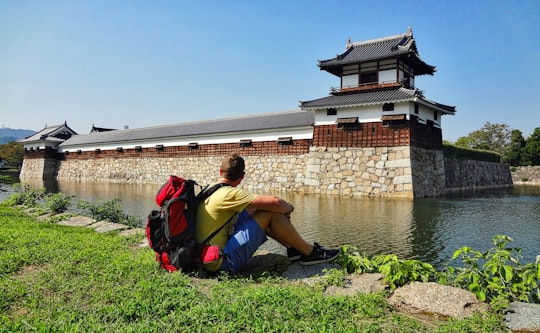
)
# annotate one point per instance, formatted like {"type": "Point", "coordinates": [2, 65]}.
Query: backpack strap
{"type": "Point", "coordinates": [205, 193]}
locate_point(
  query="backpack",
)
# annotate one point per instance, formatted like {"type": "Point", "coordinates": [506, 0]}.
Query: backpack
{"type": "Point", "coordinates": [170, 230]}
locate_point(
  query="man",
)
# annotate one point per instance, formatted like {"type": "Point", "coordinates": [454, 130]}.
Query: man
{"type": "Point", "coordinates": [258, 216]}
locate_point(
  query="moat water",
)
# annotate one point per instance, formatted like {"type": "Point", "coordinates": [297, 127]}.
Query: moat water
{"type": "Point", "coordinates": [426, 229]}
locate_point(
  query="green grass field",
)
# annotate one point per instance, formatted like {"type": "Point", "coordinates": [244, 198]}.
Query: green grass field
{"type": "Point", "coordinates": [66, 279]}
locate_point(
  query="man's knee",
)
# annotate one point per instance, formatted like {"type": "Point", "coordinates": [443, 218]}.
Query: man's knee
{"type": "Point", "coordinates": [264, 218]}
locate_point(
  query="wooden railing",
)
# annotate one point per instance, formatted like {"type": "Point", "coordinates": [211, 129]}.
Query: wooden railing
{"type": "Point", "coordinates": [365, 86]}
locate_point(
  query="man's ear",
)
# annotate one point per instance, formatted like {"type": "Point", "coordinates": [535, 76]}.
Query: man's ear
{"type": "Point", "coordinates": [220, 172]}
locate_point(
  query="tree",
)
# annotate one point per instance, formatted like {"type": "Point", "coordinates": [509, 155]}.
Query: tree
{"type": "Point", "coordinates": [494, 137]}
{"type": "Point", "coordinates": [515, 149]}
{"type": "Point", "coordinates": [13, 153]}
{"type": "Point", "coordinates": [531, 150]}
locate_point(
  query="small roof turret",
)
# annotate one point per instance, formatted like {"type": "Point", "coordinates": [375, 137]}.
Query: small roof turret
{"type": "Point", "coordinates": [401, 46]}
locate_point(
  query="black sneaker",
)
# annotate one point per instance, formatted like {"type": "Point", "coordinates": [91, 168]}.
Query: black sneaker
{"type": "Point", "coordinates": [293, 254]}
{"type": "Point", "coordinates": [319, 255]}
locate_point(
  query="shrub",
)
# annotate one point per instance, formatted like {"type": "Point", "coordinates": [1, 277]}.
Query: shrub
{"type": "Point", "coordinates": [496, 276]}
{"type": "Point", "coordinates": [58, 202]}
{"type": "Point", "coordinates": [110, 210]}
{"type": "Point", "coordinates": [26, 195]}
{"type": "Point", "coordinates": [460, 153]}
{"type": "Point", "coordinates": [397, 272]}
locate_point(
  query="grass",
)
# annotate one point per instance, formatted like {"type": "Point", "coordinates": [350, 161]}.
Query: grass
{"type": "Point", "coordinates": [64, 279]}
{"type": "Point", "coordinates": [9, 176]}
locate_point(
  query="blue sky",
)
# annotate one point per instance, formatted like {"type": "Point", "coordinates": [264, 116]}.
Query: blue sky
{"type": "Point", "coordinates": [146, 63]}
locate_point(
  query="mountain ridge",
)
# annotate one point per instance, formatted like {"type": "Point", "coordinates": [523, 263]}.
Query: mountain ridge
{"type": "Point", "coordinates": [11, 134]}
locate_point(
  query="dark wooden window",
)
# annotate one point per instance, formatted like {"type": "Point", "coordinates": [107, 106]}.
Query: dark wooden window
{"type": "Point", "coordinates": [369, 77]}
{"type": "Point", "coordinates": [246, 143]}
{"type": "Point", "coordinates": [398, 120]}
{"type": "Point", "coordinates": [388, 107]}
{"type": "Point", "coordinates": [331, 112]}
{"type": "Point", "coordinates": [348, 124]}
{"type": "Point", "coordinates": [285, 141]}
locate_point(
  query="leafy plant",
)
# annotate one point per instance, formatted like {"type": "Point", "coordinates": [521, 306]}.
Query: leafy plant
{"type": "Point", "coordinates": [110, 210]}
{"type": "Point", "coordinates": [496, 276]}
{"type": "Point", "coordinates": [353, 261]}
{"type": "Point", "coordinates": [58, 202]}
{"type": "Point", "coordinates": [25, 195]}
{"type": "Point", "coordinates": [397, 272]}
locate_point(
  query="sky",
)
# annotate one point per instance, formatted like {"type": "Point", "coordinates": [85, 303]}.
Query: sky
{"type": "Point", "coordinates": [141, 63]}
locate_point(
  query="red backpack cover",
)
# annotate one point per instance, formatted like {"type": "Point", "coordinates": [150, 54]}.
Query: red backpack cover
{"type": "Point", "coordinates": [170, 231]}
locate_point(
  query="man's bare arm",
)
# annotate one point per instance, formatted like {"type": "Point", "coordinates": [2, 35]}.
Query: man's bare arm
{"type": "Point", "coordinates": [271, 203]}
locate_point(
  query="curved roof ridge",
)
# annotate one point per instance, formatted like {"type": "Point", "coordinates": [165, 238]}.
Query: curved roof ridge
{"type": "Point", "coordinates": [379, 40]}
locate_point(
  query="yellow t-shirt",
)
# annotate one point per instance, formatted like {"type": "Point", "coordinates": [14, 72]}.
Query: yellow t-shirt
{"type": "Point", "coordinates": [215, 211]}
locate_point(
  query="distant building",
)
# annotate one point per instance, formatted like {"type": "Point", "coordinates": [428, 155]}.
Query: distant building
{"type": "Point", "coordinates": [48, 138]}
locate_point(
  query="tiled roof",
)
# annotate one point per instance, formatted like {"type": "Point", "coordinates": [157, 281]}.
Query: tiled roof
{"type": "Point", "coordinates": [396, 46]}
{"type": "Point", "coordinates": [372, 97]}
{"type": "Point", "coordinates": [48, 134]}
{"type": "Point", "coordinates": [227, 125]}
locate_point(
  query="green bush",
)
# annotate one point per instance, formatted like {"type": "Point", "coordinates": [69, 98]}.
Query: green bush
{"type": "Point", "coordinates": [397, 272]}
{"type": "Point", "coordinates": [110, 210]}
{"type": "Point", "coordinates": [58, 202]}
{"type": "Point", "coordinates": [460, 153]}
{"type": "Point", "coordinates": [25, 195]}
{"type": "Point", "coordinates": [496, 276]}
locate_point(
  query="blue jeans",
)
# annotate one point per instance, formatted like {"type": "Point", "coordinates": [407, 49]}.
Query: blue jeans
{"type": "Point", "coordinates": [246, 239]}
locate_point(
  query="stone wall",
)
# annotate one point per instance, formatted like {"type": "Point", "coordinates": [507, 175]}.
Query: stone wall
{"type": "Point", "coordinates": [470, 175]}
{"type": "Point", "coordinates": [428, 172]}
{"type": "Point", "coordinates": [38, 169]}
{"type": "Point", "coordinates": [376, 172]}
{"type": "Point", "coordinates": [526, 175]}
{"type": "Point", "coordinates": [404, 171]}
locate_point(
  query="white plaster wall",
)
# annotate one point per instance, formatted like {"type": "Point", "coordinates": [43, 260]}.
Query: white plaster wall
{"type": "Point", "coordinates": [349, 81]}
{"type": "Point", "coordinates": [387, 76]}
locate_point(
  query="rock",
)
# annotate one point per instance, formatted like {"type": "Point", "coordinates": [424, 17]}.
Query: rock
{"type": "Point", "coordinates": [78, 221]}
{"type": "Point", "coordinates": [436, 299]}
{"type": "Point", "coordinates": [523, 317]}
{"type": "Point", "coordinates": [133, 231]}
{"type": "Point", "coordinates": [105, 226]}
{"type": "Point", "coordinates": [359, 284]}
{"type": "Point", "coordinates": [44, 217]}
{"type": "Point", "coordinates": [308, 274]}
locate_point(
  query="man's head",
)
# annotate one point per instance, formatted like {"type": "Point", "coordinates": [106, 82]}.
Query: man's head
{"type": "Point", "coordinates": [232, 167]}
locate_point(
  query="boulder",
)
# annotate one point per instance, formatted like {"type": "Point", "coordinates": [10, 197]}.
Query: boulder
{"type": "Point", "coordinates": [435, 299]}
{"type": "Point", "coordinates": [78, 221]}
{"type": "Point", "coordinates": [523, 317]}
{"type": "Point", "coordinates": [359, 283]}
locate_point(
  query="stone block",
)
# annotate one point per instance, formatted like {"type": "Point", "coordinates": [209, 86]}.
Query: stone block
{"type": "Point", "coordinates": [433, 298]}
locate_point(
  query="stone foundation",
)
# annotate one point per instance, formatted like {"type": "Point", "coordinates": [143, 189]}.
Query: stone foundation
{"type": "Point", "coordinates": [375, 172]}
{"type": "Point", "coordinates": [403, 172]}
{"type": "Point", "coordinates": [471, 175]}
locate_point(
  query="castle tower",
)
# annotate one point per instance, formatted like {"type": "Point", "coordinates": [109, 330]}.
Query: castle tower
{"type": "Point", "coordinates": [377, 104]}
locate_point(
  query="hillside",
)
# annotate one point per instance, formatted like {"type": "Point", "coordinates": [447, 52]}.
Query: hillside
{"type": "Point", "coordinates": [10, 134]}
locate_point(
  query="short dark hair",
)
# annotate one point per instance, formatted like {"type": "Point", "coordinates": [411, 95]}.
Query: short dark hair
{"type": "Point", "coordinates": [232, 167]}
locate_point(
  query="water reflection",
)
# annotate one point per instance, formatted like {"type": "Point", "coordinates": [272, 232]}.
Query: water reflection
{"type": "Point", "coordinates": [426, 229]}
{"type": "Point", "coordinates": [375, 226]}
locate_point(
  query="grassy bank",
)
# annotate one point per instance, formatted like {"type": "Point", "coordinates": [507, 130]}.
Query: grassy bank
{"type": "Point", "coordinates": [56, 278]}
